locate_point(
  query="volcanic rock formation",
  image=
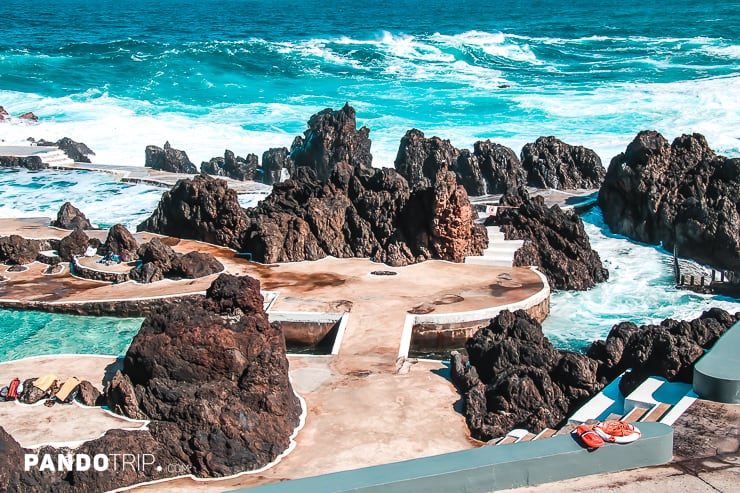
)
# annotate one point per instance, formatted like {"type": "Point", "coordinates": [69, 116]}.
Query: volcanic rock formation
{"type": "Point", "coordinates": [168, 159]}
{"type": "Point", "coordinates": [551, 163]}
{"type": "Point", "coordinates": [212, 376]}
{"type": "Point", "coordinates": [356, 211]}
{"type": "Point", "coordinates": [17, 250]}
{"type": "Point", "coordinates": [516, 379]}
{"type": "Point", "coordinates": [76, 151]}
{"type": "Point", "coordinates": [33, 163]}
{"type": "Point", "coordinates": [681, 195]}
{"type": "Point", "coordinates": [274, 161]}
{"type": "Point", "coordinates": [204, 209]}
{"type": "Point", "coordinates": [555, 241]}
{"type": "Point", "coordinates": [231, 166]}
{"type": "Point", "coordinates": [120, 242]}
{"type": "Point", "coordinates": [74, 244]}
{"type": "Point", "coordinates": [70, 217]}
{"type": "Point", "coordinates": [332, 137]}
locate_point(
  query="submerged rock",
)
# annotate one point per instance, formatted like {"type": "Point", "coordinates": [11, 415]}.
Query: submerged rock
{"type": "Point", "coordinates": [681, 195]}
{"type": "Point", "coordinates": [168, 159]}
{"type": "Point", "coordinates": [70, 217]}
{"type": "Point", "coordinates": [29, 116]}
{"type": "Point", "coordinates": [551, 163]}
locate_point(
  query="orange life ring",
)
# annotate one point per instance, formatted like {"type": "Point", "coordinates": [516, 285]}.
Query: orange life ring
{"type": "Point", "coordinates": [617, 431]}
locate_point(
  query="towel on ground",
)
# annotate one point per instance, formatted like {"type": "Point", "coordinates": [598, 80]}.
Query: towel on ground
{"type": "Point", "coordinates": [45, 382]}
{"type": "Point", "coordinates": [67, 388]}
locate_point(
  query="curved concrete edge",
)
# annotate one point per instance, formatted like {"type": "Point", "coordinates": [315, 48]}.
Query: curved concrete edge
{"type": "Point", "coordinates": [473, 315]}
{"type": "Point", "coordinates": [492, 468]}
{"type": "Point", "coordinates": [717, 373]}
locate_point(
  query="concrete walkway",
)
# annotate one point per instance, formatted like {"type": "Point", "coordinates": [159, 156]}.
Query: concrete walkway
{"type": "Point", "coordinates": [56, 159]}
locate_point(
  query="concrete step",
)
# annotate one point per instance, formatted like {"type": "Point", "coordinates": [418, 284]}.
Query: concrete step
{"type": "Point", "coordinates": [508, 256]}
{"type": "Point", "coordinates": [546, 433]}
{"type": "Point", "coordinates": [488, 261]}
{"type": "Point", "coordinates": [499, 248]}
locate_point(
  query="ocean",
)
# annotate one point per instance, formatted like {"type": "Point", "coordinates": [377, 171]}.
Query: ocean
{"type": "Point", "coordinates": [246, 75]}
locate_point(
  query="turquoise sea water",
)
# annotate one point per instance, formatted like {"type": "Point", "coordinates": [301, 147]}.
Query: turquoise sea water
{"type": "Point", "coordinates": [246, 75]}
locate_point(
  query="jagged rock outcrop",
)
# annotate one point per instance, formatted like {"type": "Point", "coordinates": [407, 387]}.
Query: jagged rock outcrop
{"type": "Point", "coordinates": [76, 151]}
{"type": "Point", "coordinates": [16, 250]}
{"type": "Point", "coordinates": [274, 161]}
{"type": "Point", "coordinates": [513, 378]}
{"type": "Point", "coordinates": [555, 241]}
{"type": "Point", "coordinates": [120, 242]}
{"type": "Point", "coordinates": [667, 350]}
{"type": "Point", "coordinates": [516, 379]}
{"type": "Point", "coordinates": [32, 163]}
{"type": "Point", "coordinates": [211, 375]}
{"type": "Point", "coordinates": [168, 159]}
{"type": "Point", "coordinates": [231, 166]}
{"type": "Point", "coordinates": [500, 167]}
{"type": "Point", "coordinates": [490, 168]}
{"type": "Point", "coordinates": [357, 211]}
{"type": "Point", "coordinates": [682, 195]}
{"type": "Point", "coordinates": [361, 213]}
{"type": "Point", "coordinates": [74, 244]}
{"type": "Point", "coordinates": [70, 217]}
{"type": "Point", "coordinates": [204, 209]}
{"type": "Point", "coordinates": [332, 137]}
{"type": "Point", "coordinates": [88, 395]}
{"type": "Point", "coordinates": [551, 163]}
{"type": "Point", "coordinates": [30, 116]}
{"type": "Point", "coordinates": [214, 378]}
{"type": "Point", "coordinates": [3, 114]}
{"type": "Point", "coordinates": [159, 261]}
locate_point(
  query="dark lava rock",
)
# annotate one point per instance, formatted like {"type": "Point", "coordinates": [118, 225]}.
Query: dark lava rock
{"type": "Point", "coordinates": [121, 397]}
{"type": "Point", "coordinates": [70, 217]}
{"type": "Point", "coordinates": [551, 163]}
{"type": "Point", "coordinates": [515, 378]}
{"type": "Point", "coordinates": [17, 250]}
{"type": "Point", "coordinates": [203, 208]}
{"type": "Point", "coordinates": [193, 265]}
{"type": "Point", "coordinates": [121, 242]}
{"type": "Point", "coordinates": [213, 377]}
{"type": "Point", "coordinates": [74, 244]}
{"type": "Point", "coordinates": [3, 114]}
{"type": "Point", "coordinates": [231, 166]}
{"type": "Point", "coordinates": [420, 159]}
{"type": "Point", "coordinates": [332, 137]}
{"type": "Point", "coordinates": [555, 241]}
{"type": "Point", "coordinates": [357, 211]}
{"type": "Point", "coordinates": [31, 394]}
{"type": "Point", "coordinates": [363, 213]}
{"type": "Point", "coordinates": [681, 195]}
{"type": "Point", "coordinates": [76, 151]}
{"type": "Point", "coordinates": [88, 394]}
{"type": "Point", "coordinates": [491, 168]}
{"type": "Point", "coordinates": [156, 252]}
{"type": "Point", "coordinates": [29, 116]}
{"type": "Point", "coordinates": [667, 350]}
{"type": "Point", "coordinates": [168, 159]}
{"type": "Point", "coordinates": [274, 161]}
{"type": "Point", "coordinates": [500, 167]}
{"type": "Point", "coordinates": [32, 163]}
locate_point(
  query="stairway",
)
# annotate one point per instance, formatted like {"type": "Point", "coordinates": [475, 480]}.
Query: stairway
{"type": "Point", "coordinates": [500, 251]}
{"type": "Point", "coordinates": [55, 157]}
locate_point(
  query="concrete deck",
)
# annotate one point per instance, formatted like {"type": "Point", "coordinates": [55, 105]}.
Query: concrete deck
{"type": "Point", "coordinates": [717, 374]}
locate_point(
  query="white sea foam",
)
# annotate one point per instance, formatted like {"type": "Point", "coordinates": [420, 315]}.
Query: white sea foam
{"type": "Point", "coordinates": [640, 289]}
